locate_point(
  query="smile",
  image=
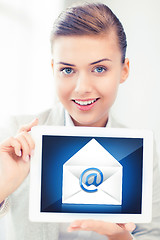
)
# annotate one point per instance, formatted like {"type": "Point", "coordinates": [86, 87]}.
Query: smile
{"type": "Point", "coordinates": [85, 102]}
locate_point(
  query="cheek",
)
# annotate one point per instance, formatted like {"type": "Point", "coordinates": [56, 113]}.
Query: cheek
{"type": "Point", "coordinates": [108, 88]}
{"type": "Point", "coordinates": [63, 88]}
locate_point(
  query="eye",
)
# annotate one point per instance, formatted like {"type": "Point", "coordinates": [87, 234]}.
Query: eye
{"type": "Point", "coordinates": [99, 69]}
{"type": "Point", "coordinates": [67, 70]}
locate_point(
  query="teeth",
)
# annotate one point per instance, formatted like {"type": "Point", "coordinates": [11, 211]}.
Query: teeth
{"type": "Point", "coordinates": [84, 103]}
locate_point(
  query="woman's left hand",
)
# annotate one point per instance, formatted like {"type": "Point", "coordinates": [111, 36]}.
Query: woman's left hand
{"type": "Point", "coordinates": [112, 230]}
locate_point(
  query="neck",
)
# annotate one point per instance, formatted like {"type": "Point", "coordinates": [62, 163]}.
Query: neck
{"type": "Point", "coordinates": [102, 123]}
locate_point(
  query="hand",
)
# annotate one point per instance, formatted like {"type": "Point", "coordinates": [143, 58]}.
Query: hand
{"type": "Point", "coordinates": [15, 155]}
{"type": "Point", "coordinates": [112, 230]}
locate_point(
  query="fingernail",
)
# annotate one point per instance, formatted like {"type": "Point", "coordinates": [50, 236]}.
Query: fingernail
{"type": "Point", "coordinates": [20, 153]}
{"type": "Point", "coordinates": [130, 227]}
{"type": "Point", "coordinates": [74, 225]}
{"type": "Point", "coordinates": [32, 152]}
{"type": "Point", "coordinates": [27, 158]}
{"type": "Point", "coordinates": [35, 120]}
{"type": "Point", "coordinates": [83, 225]}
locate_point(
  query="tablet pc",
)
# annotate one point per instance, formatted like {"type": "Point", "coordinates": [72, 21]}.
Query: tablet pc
{"type": "Point", "coordinates": [91, 173]}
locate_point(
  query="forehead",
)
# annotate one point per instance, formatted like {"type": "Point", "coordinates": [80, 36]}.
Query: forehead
{"type": "Point", "coordinates": [86, 48]}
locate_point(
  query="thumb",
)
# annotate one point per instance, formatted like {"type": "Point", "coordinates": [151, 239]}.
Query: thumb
{"type": "Point", "coordinates": [28, 127]}
{"type": "Point", "coordinates": [130, 227]}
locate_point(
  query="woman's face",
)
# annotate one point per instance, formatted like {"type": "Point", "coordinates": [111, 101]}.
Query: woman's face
{"type": "Point", "coordinates": [88, 71]}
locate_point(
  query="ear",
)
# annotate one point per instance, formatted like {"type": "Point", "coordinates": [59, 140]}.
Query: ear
{"type": "Point", "coordinates": [125, 70]}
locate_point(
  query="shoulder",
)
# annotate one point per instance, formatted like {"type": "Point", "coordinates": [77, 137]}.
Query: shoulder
{"type": "Point", "coordinates": [114, 123]}
{"type": "Point", "coordinates": [53, 116]}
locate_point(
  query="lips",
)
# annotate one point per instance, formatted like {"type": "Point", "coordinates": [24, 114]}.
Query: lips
{"type": "Point", "coordinates": [85, 104]}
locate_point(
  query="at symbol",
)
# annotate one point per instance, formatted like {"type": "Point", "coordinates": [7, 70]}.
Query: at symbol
{"type": "Point", "coordinates": [89, 176]}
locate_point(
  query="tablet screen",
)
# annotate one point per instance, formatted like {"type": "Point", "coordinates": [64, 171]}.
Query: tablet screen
{"type": "Point", "coordinates": [70, 174]}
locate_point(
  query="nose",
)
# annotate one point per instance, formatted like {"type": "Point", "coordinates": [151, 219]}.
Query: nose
{"type": "Point", "coordinates": [83, 84]}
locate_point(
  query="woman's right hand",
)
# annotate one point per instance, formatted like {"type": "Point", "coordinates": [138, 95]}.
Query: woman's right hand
{"type": "Point", "coordinates": [15, 154]}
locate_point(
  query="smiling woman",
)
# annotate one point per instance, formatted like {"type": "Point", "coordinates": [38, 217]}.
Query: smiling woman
{"type": "Point", "coordinates": [88, 70]}
{"type": "Point", "coordinates": [88, 47]}
{"type": "Point", "coordinates": [88, 62]}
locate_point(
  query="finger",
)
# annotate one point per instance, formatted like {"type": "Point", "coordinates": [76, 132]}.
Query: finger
{"type": "Point", "coordinates": [83, 225]}
{"type": "Point", "coordinates": [101, 227]}
{"type": "Point", "coordinates": [130, 227]}
{"type": "Point", "coordinates": [28, 127]}
{"type": "Point", "coordinates": [29, 141]}
{"type": "Point", "coordinates": [74, 226]}
{"type": "Point", "coordinates": [24, 147]}
{"type": "Point", "coordinates": [14, 143]}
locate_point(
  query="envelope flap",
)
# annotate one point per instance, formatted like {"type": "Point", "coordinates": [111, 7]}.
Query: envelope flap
{"type": "Point", "coordinates": [91, 154]}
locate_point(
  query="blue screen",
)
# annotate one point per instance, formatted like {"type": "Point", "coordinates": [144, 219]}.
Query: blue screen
{"type": "Point", "coordinates": [57, 150]}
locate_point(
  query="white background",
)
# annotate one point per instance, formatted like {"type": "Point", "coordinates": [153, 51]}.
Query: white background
{"type": "Point", "coordinates": [26, 82]}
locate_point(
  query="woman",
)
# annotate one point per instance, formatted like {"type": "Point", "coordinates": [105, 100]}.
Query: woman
{"type": "Point", "coordinates": [88, 47]}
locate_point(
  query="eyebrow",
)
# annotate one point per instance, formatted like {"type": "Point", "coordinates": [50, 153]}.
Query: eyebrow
{"type": "Point", "coordinates": [72, 65]}
{"type": "Point", "coordinates": [101, 60]}
{"type": "Point", "coordinates": [68, 64]}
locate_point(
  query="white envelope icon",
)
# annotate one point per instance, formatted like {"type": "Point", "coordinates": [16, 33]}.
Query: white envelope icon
{"type": "Point", "coordinates": [92, 176]}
